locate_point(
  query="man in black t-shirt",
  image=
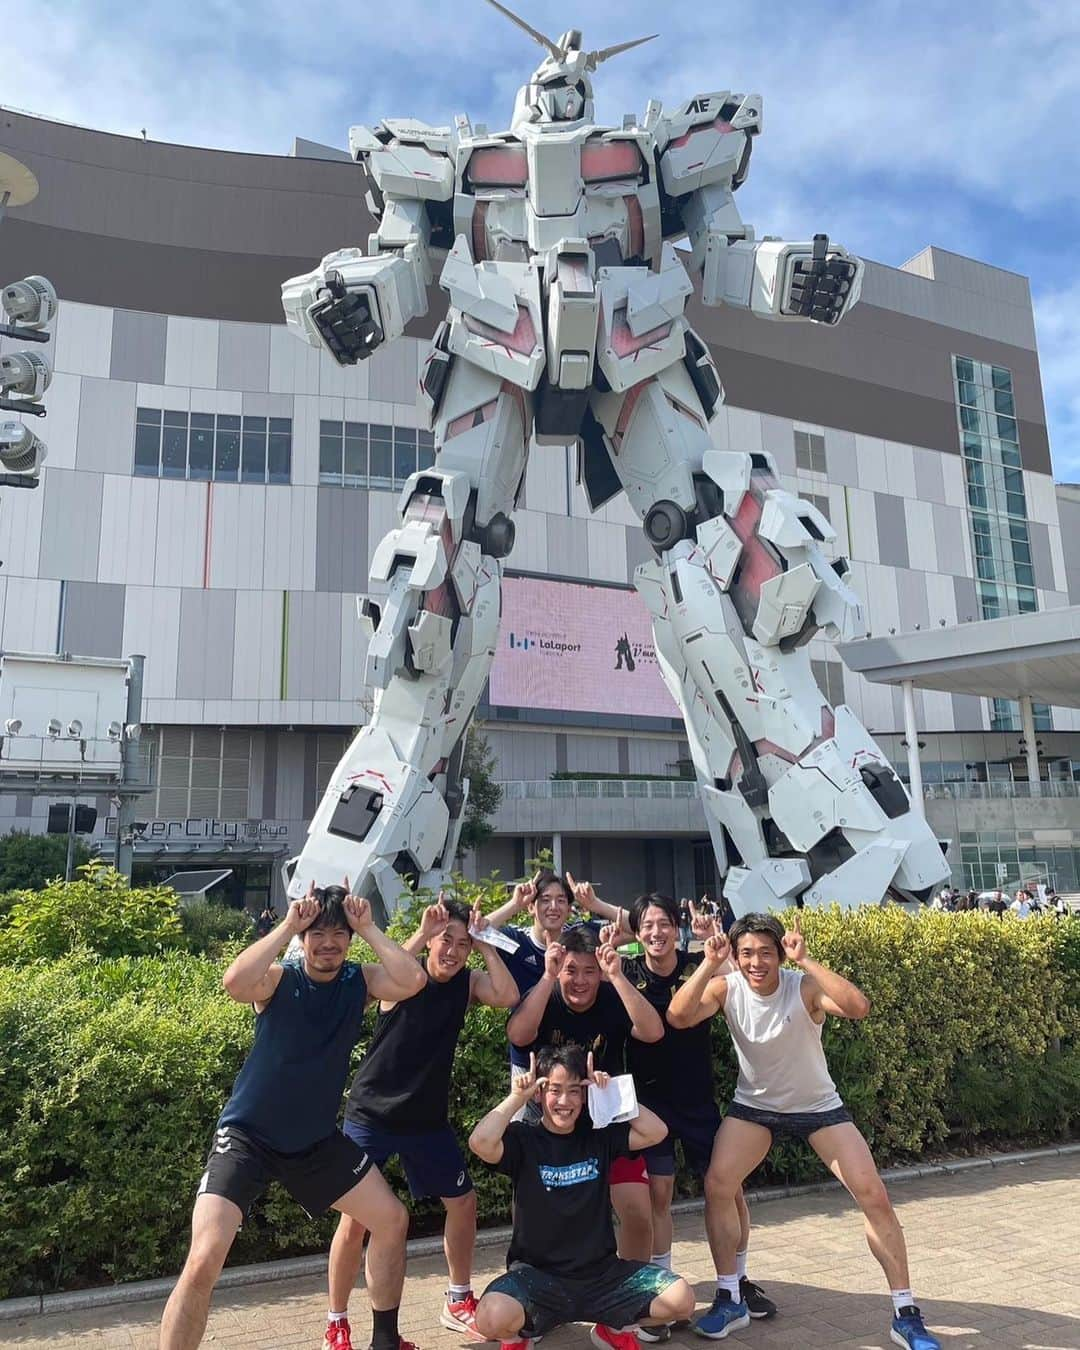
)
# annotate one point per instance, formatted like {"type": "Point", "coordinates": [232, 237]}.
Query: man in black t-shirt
{"type": "Point", "coordinates": [562, 1264]}
{"type": "Point", "coordinates": [280, 1123]}
{"type": "Point", "coordinates": [399, 1101]}
{"type": "Point", "coordinates": [584, 998]}
{"type": "Point", "coordinates": [674, 1077]}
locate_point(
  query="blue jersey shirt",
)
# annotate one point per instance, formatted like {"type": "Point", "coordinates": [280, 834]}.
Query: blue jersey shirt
{"type": "Point", "coordinates": [286, 1095]}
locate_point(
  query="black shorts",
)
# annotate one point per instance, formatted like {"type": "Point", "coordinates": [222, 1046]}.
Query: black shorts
{"type": "Point", "coordinates": [239, 1169]}
{"type": "Point", "coordinates": [696, 1126]}
{"type": "Point", "coordinates": [791, 1124]}
{"type": "Point", "coordinates": [618, 1293]}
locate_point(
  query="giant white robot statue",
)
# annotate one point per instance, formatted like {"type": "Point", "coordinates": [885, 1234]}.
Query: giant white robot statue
{"type": "Point", "coordinates": [566, 322]}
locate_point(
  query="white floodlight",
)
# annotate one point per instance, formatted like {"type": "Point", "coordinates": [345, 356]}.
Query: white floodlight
{"type": "Point", "coordinates": [31, 302]}
{"type": "Point", "coordinates": [114, 731]}
{"type": "Point", "coordinates": [20, 450]}
{"type": "Point", "coordinates": [26, 373]}
{"type": "Point", "coordinates": [13, 726]}
{"type": "Point", "coordinates": [53, 727]}
{"type": "Point", "coordinates": [74, 728]}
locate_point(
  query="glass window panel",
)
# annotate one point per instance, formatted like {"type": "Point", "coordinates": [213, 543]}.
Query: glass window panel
{"type": "Point", "coordinates": [1025, 575]}
{"type": "Point", "coordinates": [425, 448]}
{"type": "Point", "coordinates": [972, 420]}
{"type": "Point", "coordinates": [253, 455]}
{"type": "Point", "coordinates": [1015, 504]}
{"type": "Point", "coordinates": [148, 449]}
{"type": "Point", "coordinates": [382, 433]}
{"type": "Point", "coordinates": [1003, 403]}
{"type": "Point", "coordinates": [1006, 429]}
{"type": "Point", "coordinates": [148, 416]}
{"type": "Point", "coordinates": [1009, 454]}
{"type": "Point", "coordinates": [973, 445]}
{"type": "Point", "coordinates": [969, 393]}
{"type": "Point", "coordinates": [282, 424]}
{"type": "Point", "coordinates": [404, 453]}
{"type": "Point", "coordinates": [356, 468]}
{"type": "Point", "coordinates": [1028, 602]}
{"type": "Point", "coordinates": [175, 419]}
{"type": "Point", "coordinates": [330, 450]}
{"type": "Point", "coordinates": [1013, 480]}
{"type": "Point", "coordinates": [174, 450]}
{"type": "Point", "coordinates": [279, 455]}
{"type": "Point", "coordinates": [357, 430]}
{"type": "Point", "coordinates": [1001, 378]}
{"type": "Point", "coordinates": [965, 368]}
{"type": "Point", "coordinates": [227, 449]}
{"type": "Point", "coordinates": [201, 446]}
{"type": "Point", "coordinates": [381, 462]}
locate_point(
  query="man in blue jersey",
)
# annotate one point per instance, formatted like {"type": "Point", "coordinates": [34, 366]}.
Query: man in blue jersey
{"type": "Point", "coordinates": [280, 1124]}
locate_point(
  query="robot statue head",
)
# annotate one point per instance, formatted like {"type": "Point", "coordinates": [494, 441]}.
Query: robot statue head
{"type": "Point", "coordinates": [560, 89]}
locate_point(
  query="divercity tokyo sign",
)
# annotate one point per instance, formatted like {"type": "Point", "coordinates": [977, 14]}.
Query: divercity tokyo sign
{"type": "Point", "coordinates": [195, 829]}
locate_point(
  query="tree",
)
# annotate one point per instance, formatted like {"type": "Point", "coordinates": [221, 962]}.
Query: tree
{"type": "Point", "coordinates": [485, 794]}
{"type": "Point", "coordinates": [28, 862]}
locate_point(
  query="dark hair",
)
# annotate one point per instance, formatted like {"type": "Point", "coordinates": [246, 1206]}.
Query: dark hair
{"type": "Point", "coordinates": [763, 924]}
{"type": "Point", "coordinates": [458, 912]}
{"type": "Point", "coordinates": [331, 909]}
{"type": "Point", "coordinates": [581, 941]}
{"type": "Point", "coordinates": [570, 1056]}
{"type": "Point", "coordinates": [650, 900]}
{"type": "Point", "coordinates": [546, 877]}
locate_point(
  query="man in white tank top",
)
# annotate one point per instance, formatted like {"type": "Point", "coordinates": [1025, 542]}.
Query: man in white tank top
{"type": "Point", "coordinates": [775, 1017]}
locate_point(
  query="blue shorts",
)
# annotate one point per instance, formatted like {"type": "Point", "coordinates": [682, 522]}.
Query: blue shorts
{"type": "Point", "coordinates": [433, 1162]}
{"type": "Point", "coordinates": [696, 1126]}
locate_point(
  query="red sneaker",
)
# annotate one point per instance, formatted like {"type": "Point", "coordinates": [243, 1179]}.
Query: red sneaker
{"type": "Point", "coordinates": [607, 1338]}
{"type": "Point", "coordinates": [338, 1336]}
{"type": "Point", "coordinates": [517, 1345]}
{"type": "Point", "coordinates": [460, 1315]}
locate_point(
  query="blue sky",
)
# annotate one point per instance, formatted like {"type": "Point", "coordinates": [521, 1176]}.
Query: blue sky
{"type": "Point", "coordinates": [888, 125]}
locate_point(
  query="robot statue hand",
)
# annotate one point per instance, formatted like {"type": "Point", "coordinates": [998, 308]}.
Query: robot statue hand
{"type": "Point", "coordinates": [823, 286]}
{"type": "Point", "coordinates": [346, 320]}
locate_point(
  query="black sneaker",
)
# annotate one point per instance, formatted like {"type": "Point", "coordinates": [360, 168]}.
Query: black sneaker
{"type": "Point", "coordinates": [754, 1297]}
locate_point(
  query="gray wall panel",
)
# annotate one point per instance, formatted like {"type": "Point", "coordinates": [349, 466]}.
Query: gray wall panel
{"type": "Point", "coordinates": [138, 346]}
{"type": "Point", "coordinates": [92, 619]}
{"type": "Point", "coordinates": [106, 435]}
{"type": "Point", "coordinates": [1069, 515]}
{"type": "Point", "coordinates": [638, 550]}
{"type": "Point", "coordinates": [841, 457]}
{"type": "Point", "coordinates": [271, 741]}
{"type": "Point", "coordinates": [568, 546]}
{"type": "Point", "coordinates": [314, 645]}
{"type": "Point", "coordinates": [1041, 558]}
{"type": "Point", "coordinates": [967, 601]}
{"type": "Point", "coordinates": [777, 439]}
{"type": "Point", "coordinates": [392, 374]}
{"type": "Point", "coordinates": [204, 667]}
{"type": "Point", "coordinates": [950, 528]}
{"type": "Point", "coordinates": [914, 606]}
{"type": "Point", "coordinates": [244, 357]}
{"type": "Point", "coordinates": [70, 525]}
{"type": "Point", "coordinates": [891, 529]}
{"type": "Point", "coordinates": [341, 540]}
{"type": "Point", "coordinates": [967, 712]}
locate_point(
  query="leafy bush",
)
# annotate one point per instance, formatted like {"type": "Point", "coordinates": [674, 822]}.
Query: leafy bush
{"type": "Point", "coordinates": [29, 862]}
{"type": "Point", "coordinates": [99, 911]}
{"type": "Point", "coordinates": [116, 1069]}
{"type": "Point", "coordinates": [212, 929]}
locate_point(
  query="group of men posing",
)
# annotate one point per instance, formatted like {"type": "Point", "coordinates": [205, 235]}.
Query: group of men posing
{"type": "Point", "coordinates": [581, 1014]}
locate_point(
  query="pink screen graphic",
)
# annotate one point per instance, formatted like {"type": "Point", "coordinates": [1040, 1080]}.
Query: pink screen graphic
{"type": "Point", "coordinates": [575, 648]}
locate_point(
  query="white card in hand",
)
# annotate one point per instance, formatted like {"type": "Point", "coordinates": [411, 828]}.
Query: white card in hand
{"type": "Point", "coordinates": [494, 938]}
{"type": "Point", "coordinates": [618, 1101]}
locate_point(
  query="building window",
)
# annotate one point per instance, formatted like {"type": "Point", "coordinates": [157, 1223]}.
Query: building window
{"type": "Point", "coordinates": [829, 676]}
{"type": "Point", "coordinates": [218, 447]}
{"type": "Point", "coordinates": [372, 455]}
{"type": "Point", "coordinates": [819, 500]}
{"type": "Point", "coordinates": [1005, 715]}
{"type": "Point", "coordinates": [810, 452]}
{"type": "Point", "coordinates": [203, 773]}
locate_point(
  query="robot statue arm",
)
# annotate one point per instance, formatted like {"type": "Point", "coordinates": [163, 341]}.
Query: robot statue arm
{"type": "Point", "coordinates": [705, 159]}
{"type": "Point", "coordinates": [353, 302]}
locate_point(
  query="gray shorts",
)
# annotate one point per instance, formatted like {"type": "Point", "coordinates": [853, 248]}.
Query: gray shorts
{"type": "Point", "coordinates": [791, 1124]}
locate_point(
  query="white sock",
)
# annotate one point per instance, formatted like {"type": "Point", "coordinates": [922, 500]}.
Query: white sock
{"type": "Point", "coordinates": [740, 1265]}
{"type": "Point", "coordinates": [901, 1298]}
{"type": "Point", "coordinates": [332, 1316]}
{"type": "Point", "coordinates": [661, 1259]}
{"type": "Point", "coordinates": [457, 1292]}
{"type": "Point", "coordinates": [731, 1284]}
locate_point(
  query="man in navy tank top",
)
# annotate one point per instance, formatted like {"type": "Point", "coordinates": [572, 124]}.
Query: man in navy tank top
{"type": "Point", "coordinates": [399, 1103]}
{"type": "Point", "coordinates": [775, 1016]}
{"type": "Point", "coordinates": [280, 1124]}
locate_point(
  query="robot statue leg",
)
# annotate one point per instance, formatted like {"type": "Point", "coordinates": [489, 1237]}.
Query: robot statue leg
{"type": "Point", "coordinates": [392, 812]}
{"type": "Point", "coordinates": [801, 803]}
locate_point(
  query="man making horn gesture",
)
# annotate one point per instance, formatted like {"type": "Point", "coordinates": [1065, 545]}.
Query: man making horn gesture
{"type": "Point", "coordinates": [562, 1265]}
{"type": "Point", "coordinates": [775, 1015]}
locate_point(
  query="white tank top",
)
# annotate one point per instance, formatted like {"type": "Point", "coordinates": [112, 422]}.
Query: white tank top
{"type": "Point", "coordinates": [781, 1063]}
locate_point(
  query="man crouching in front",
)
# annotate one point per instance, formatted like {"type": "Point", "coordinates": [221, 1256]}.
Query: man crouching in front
{"type": "Point", "coordinates": [562, 1264]}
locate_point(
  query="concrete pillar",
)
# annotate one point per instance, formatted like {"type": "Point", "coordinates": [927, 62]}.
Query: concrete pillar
{"type": "Point", "coordinates": [556, 853]}
{"type": "Point", "coordinates": [127, 802]}
{"type": "Point", "coordinates": [1031, 746]}
{"type": "Point", "coordinates": [911, 735]}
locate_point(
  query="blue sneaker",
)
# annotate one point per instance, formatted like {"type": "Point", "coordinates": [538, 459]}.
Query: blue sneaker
{"type": "Point", "coordinates": [908, 1330]}
{"type": "Point", "coordinates": [723, 1317]}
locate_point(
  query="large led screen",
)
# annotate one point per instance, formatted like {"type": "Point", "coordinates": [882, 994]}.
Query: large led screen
{"type": "Point", "coordinates": [576, 648]}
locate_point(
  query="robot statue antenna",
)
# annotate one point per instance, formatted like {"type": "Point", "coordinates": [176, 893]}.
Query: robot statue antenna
{"type": "Point", "coordinates": [554, 243]}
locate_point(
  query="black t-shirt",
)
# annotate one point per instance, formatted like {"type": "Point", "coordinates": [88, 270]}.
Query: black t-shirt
{"type": "Point", "coordinates": [604, 1028]}
{"type": "Point", "coordinates": [403, 1082]}
{"type": "Point", "coordinates": [562, 1211]}
{"type": "Point", "coordinates": [677, 1069]}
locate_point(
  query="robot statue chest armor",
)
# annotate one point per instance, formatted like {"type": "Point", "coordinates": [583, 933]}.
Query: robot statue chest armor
{"type": "Point", "coordinates": [530, 195]}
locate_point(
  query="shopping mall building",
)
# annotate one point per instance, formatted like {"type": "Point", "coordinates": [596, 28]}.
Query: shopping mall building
{"type": "Point", "coordinates": [214, 490]}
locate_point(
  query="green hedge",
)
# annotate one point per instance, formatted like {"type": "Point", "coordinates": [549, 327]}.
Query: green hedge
{"type": "Point", "coordinates": [115, 1070]}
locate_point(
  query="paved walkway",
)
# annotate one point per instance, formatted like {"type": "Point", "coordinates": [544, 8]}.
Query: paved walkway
{"type": "Point", "coordinates": [995, 1262]}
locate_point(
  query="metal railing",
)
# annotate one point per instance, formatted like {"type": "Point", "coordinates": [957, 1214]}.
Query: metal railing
{"type": "Point", "coordinates": [682, 789]}
{"type": "Point", "coordinates": [599, 789]}
{"type": "Point", "coordinates": [54, 766]}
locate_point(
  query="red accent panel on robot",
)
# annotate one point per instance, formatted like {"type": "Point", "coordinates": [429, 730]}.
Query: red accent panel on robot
{"type": "Point", "coordinates": [626, 412]}
{"type": "Point", "coordinates": [623, 341]}
{"type": "Point", "coordinates": [605, 161]}
{"type": "Point", "coordinates": [521, 340]}
{"type": "Point", "coordinates": [499, 166]}
{"type": "Point", "coordinates": [467, 420]}
{"type": "Point", "coordinates": [635, 224]}
{"type": "Point", "coordinates": [479, 232]}
{"type": "Point", "coordinates": [718, 124]}
{"type": "Point", "coordinates": [758, 562]}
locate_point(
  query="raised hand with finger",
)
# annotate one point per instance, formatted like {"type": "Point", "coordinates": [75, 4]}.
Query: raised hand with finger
{"type": "Point", "coordinates": [597, 1077]}
{"type": "Point", "coordinates": [609, 961]}
{"type": "Point", "coordinates": [702, 925]}
{"type": "Point", "coordinates": [794, 943]}
{"type": "Point", "coordinates": [717, 947]}
{"type": "Point", "coordinates": [434, 918]}
{"type": "Point", "coordinates": [303, 913]}
{"type": "Point", "coordinates": [526, 1084]}
{"type": "Point", "coordinates": [583, 893]}
{"type": "Point", "coordinates": [554, 956]}
{"type": "Point", "coordinates": [525, 892]}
